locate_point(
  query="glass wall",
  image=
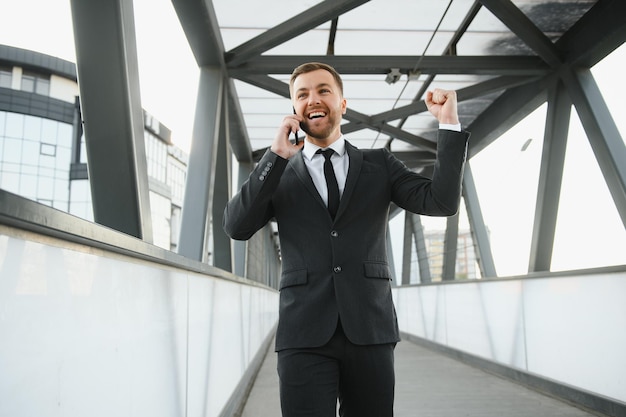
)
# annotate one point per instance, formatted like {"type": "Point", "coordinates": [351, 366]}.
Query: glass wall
{"type": "Point", "coordinates": [35, 157]}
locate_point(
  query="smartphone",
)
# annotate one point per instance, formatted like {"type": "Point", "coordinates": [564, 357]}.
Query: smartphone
{"type": "Point", "coordinates": [296, 132]}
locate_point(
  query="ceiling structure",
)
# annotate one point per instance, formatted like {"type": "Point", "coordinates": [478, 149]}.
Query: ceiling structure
{"type": "Point", "coordinates": [505, 58]}
{"type": "Point", "coordinates": [500, 56]}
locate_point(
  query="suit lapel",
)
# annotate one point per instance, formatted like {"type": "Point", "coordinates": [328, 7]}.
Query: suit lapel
{"type": "Point", "coordinates": [297, 163]}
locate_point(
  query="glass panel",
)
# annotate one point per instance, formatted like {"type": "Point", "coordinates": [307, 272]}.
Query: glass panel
{"type": "Point", "coordinates": [30, 153]}
{"type": "Point", "coordinates": [5, 78]}
{"type": "Point", "coordinates": [42, 86]}
{"type": "Point", "coordinates": [554, 17]}
{"type": "Point", "coordinates": [46, 188]}
{"type": "Point", "coordinates": [3, 118]}
{"type": "Point", "coordinates": [28, 83]}
{"type": "Point", "coordinates": [589, 231]}
{"type": "Point", "coordinates": [509, 206]}
{"type": "Point", "coordinates": [65, 135]}
{"type": "Point", "coordinates": [32, 128]}
{"type": "Point", "coordinates": [12, 150]}
{"type": "Point", "coordinates": [10, 182]}
{"type": "Point", "coordinates": [49, 131]}
{"type": "Point", "coordinates": [61, 191]}
{"type": "Point", "coordinates": [63, 159]}
{"type": "Point", "coordinates": [14, 125]}
{"type": "Point", "coordinates": [28, 186]}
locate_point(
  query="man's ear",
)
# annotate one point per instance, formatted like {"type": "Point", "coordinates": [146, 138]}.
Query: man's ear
{"type": "Point", "coordinates": [344, 106]}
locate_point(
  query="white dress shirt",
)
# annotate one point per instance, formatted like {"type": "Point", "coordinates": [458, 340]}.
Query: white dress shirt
{"type": "Point", "coordinates": [315, 164]}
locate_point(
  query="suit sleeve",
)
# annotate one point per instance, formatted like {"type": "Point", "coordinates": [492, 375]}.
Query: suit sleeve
{"type": "Point", "coordinates": [439, 196]}
{"type": "Point", "coordinates": [251, 208]}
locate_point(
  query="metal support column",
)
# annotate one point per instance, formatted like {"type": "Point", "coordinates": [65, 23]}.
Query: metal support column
{"type": "Point", "coordinates": [240, 247]}
{"type": "Point", "coordinates": [450, 247]}
{"type": "Point", "coordinates": [407, 249]}
{"type": "Point", "coordinates": [197, 206]}
{"type": "Point", "coordinates": [108, 80]}
{"type": "Point", "coordinates": [482, 245]}
{"type": "Point", "coordinates": [550, 178]}
{"type": "Point", "coordinates": [222, 257]}
{"type": "Point", "coordinates": [420, 248]}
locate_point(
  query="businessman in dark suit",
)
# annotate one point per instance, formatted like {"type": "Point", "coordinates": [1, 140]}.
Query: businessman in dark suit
{"type": "Point", "coordinates": [337, 324]}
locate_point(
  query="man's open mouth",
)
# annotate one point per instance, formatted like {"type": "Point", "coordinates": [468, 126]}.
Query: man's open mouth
{"type": "Point", "coordinates": [316, 115]}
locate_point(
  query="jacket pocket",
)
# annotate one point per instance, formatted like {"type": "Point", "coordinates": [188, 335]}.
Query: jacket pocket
{"type": "Point", "coordinates": [377, 270]}
{"type": "Point", "coordinates": [293, 277]}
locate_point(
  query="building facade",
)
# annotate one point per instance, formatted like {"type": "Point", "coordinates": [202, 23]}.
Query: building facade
{"type": "Point", "coordinates": [42, 152]}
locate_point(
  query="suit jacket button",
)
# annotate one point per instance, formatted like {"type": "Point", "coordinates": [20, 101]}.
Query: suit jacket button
{"type": "Point", "coordinates": [337, 269]}
{"type": "Point", "coordinates": [334, 233]}
{"type": "Point", "coordinates": [261, 177]}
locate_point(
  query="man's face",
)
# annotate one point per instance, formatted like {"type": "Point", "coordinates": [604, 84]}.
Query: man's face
{"type": "Point", "coordinates": [317, 98]}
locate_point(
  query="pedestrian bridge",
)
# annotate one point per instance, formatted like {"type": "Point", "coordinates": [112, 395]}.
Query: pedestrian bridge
{"type": "Point", "coordinates": [95, 322]}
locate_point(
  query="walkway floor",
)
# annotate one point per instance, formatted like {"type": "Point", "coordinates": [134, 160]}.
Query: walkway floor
{"type": "Point", "coordinates": [430, 384]}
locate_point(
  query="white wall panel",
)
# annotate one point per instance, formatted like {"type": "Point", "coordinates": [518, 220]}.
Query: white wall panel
{"type": "Point", "coordinates": [87, 332]}
{"type": "Point", "coordinates": [564, 328]}
{"type": "Point", "coordinates": [576, 331]}
{"type": "Point", "coordinates": [433, 305]}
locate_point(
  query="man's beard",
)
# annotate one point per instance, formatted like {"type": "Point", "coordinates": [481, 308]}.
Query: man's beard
{"type": "Point", "coordinates": [325, 131]}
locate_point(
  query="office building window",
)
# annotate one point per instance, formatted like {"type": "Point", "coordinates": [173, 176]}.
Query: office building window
{"type": "Point", "coordinates": [47, 149]}
{"type": "Point", "coordinates": [35, 83]}
{"type": "Point", "coordinates": [156, 157]}
{"type": "Point", "coordinates": [5, 77]}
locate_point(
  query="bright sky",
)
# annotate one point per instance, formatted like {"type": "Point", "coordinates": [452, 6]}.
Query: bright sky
{"type": "Point", "coordinates": [168, 87]}
{"type": "Point", "coordinates": [589, 231]}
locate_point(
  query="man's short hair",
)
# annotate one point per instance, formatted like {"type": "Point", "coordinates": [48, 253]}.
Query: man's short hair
{"type": "Point", "coordinates": [313, 66]}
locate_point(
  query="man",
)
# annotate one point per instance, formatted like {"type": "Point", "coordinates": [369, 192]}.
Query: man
{"type": "Point", "coordinates": [337, 324]}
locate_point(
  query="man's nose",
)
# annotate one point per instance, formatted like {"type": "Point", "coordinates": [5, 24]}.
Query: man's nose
{"type": "Point", "coordinates": [314, 98]}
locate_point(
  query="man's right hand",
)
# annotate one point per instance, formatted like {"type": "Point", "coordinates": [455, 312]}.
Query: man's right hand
{"type": "Point", "coordinates": [281, 145]}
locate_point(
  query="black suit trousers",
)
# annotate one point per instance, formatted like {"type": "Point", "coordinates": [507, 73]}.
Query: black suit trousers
{"type": "Point", "coordinates": [362, 378]}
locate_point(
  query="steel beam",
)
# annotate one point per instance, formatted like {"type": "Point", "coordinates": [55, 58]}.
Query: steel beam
{"type": "Point", "coordinates": [222, 256]}
{"type": "Point", "coordinates": [197, 205]}
{"type": "Point", "coordinates": [106, 55]}
{"type": "Point", "coordinates": [480, 235]}
{"type": "Point", "coordinates": [199, 22]}
{"type": "Point", "coordinates": [595, 35]}
{"type": "Point", "coordinates": [467, 93]}
{"type": "Point", "coordinates": [550, 178]}
{"type": "Point", "coordinates": [240, 247]}
{"type": "Point", "coordinates": [363, 64]}
{"type": "Point", "coordinates": [297, 25]}
{"type": "Point", "coordinates": [358, 120]}
{"type": "Point", "coordinates": [450, 246]}
{"type": "Point", "coordinates": [407, 249]}
{"type": "Point", "coordinates": [525, 29]}
{"type": "Point", "coordinates": [420, 248]}
{"type": "Point", "coordinates": [507, 110]}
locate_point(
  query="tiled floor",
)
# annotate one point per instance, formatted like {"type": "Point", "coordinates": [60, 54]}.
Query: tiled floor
{"type": "Point", "coordinates": [430, 384]}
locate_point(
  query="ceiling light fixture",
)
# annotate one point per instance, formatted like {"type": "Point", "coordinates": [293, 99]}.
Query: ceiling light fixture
{"type": "Point", "coordinates": [393, 76]}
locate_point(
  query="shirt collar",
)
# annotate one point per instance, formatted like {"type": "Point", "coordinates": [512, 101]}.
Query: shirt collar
{"type": "Point", "coordinates": [339, 146]}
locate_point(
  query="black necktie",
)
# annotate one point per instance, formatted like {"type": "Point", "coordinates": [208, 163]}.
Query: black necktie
{"type": "Point", "coordinates": [331, 182]}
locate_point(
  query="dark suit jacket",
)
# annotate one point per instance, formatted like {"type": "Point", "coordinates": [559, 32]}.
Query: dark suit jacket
{"type": "Point", "coordinates": [339, 269]}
